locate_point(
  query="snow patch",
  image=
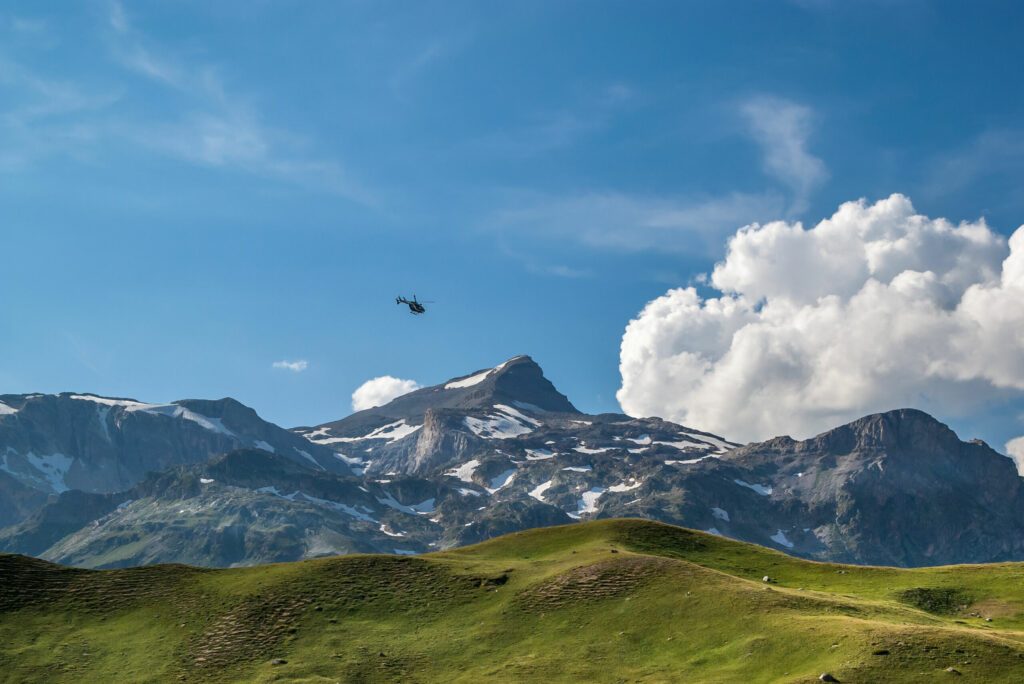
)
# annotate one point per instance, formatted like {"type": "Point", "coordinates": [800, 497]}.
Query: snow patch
{"type": "Point", "coordinates": [176, 411]}
{"type": "Point", "coordinates": [393, 431]}
{"type": "Point", "coordinates": [586, 450]}
{"type": "Point", "coordinates": [126, 403]}
{"type": "Point", "coordinates": [508, 410]}
{"type": "Point", "coordinates": [392, 502]}
{"type": "Point", "coordinates": [760, 489]}
{"type": "Point", "coordinates": [688, 461]}
{"type": "Point", "coordinates": [683, 445]}
{"type": "Point", "coordinates": [502, 480]}
{"type": "Point", "coordinates": [260, 444]}
{"type": "Point", "coordinates": [587, 502]}
{"type": "Point", "coordinates": [424, 507]}
{"type": "Point", "coordinates": [579, 469]}
{"type": "Point", "coordinates": [538, 491]}
{"type": "Point", "coordinates": [53, 469]}
{"type": "Point", "coordinates": [470, 381]}
{"type": "Point", "coordinates": [720, 513]}
{"type": "Point", "coordinates": [623, 487]}
{"type": "Point", "coordinates": [205, 480]}
{"type": "Point", "coordinates": [6, 410]}
{"type": "Point", "coordinates": [504, 424]}
{"type": "Point", "coordinates": [101, 415]}
{"type": "Point", "coordinates": [720, 444]}
{"type": "Point", "coordinates": [465, 471]}
{"type": "Point", "coordinates": [780, 538]}
{"type": "Point", "coordinates": [539, 454]}
{"type": "Point", "coordinates": [306, 455]}
{"type": "Point", "coordinates": [334, 505]}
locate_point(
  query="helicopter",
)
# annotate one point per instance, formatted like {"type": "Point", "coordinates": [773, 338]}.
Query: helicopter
{"type": "Point", "coordinates": [415, 307]}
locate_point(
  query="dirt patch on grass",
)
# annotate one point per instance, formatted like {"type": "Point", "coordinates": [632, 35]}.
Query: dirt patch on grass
{"type": "Point", "coordinates": [256, 629]}
{"type": "Point", "coordinates": [994, 608]}
{"type": "Point", "coordinates": [659, 540]}
{"type": "Point", "coordinates": [29, 581]}
{"type": "Point", "coordinates": [593, 583]}
{"type": "Point", "coordinates": [937, 600]}
{"type": "Point", "coordinates": [930, 652]}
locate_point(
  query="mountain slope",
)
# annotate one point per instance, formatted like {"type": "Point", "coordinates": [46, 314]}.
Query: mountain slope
{"type": "Point", "coordinates": [604, 602]}
{"type": "Point", "coordinates": [248, 506]}
{"type": "Point", "coordinates": [53, 443]}
{"type": "Point", "coordinates": [892, 488]}
{"type": "Point", "coordinates": [472, 458]}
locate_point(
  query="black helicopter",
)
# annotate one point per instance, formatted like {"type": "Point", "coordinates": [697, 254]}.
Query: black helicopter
{"type": "Point", "coordinates": [415, 307]}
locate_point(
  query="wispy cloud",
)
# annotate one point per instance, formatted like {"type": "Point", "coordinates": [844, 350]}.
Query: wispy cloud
{"type": "Point", "coordinates": [635, 223]}
{"type": "Point", "coordinates": [296, 366]}
{"type": "Point", "coordinates": [410, 70]}
{"type": "Point", "coordinates": [43, 116]}
{"type": "Point", "coordinates": [118, 18]}
{"type": "Point", "coordinates": [782, 128]}
{"type": "Point", "coordinates": [201, 120]}
{"type": "Point", "coordinates": [996, 151]}
{"type": "Point", "coordinates": [694, 224]}
{"type": "Point", "coordinates": [218, 128]}
{"type": "Point", "coordinates": [543, 130]}
{"type": "Point", "coordinates": [563, 271]}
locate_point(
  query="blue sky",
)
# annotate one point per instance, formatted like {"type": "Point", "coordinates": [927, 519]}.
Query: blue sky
{"type": "Point", "coordinates": [191, 191]}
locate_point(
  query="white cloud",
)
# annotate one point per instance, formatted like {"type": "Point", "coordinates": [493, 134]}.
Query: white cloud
{"type": "Point", "coordinates": [781, 128]}
{"type": "Point", "coordinates": [381, 390]}
{"type": "Point", "coordinates": [874, 308]}
{"type": "Point", "coordinates": [1015, 450]}
{"type": "Point", "coordinates": [296, 366]}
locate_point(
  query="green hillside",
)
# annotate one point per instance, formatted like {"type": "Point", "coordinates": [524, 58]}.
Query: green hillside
{"type": "Point", "coordinates": [607, 601]}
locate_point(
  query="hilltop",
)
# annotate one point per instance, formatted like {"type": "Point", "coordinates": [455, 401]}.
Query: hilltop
{"type": "Point", "coordinates": [605, 601]}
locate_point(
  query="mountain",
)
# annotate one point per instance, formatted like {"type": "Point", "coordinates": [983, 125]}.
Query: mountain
{"type": "Point", "coordinates": [248, 506]}
{"type": "Point", "coordinates": [516, 382]}
{"type": "Point", "coordinates": [496, 451]}
{"type": "Point", "coordinates": [53, 443]}
{"type": "Point", "coordinates": [896, 488]}
{"type": "Point", "coordinates": [501, 450]}
{"type": "Point", "coordinates": [605, 601]}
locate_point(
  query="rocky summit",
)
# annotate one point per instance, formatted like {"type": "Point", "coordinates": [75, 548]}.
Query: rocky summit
{"type": "Point", "coordinates": [101, 482]}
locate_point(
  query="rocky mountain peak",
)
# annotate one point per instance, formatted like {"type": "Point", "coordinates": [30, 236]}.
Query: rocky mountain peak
{"type": "Point", "coordinates": [521, 380]}
{"type": "Point", "coordinates": [517, 382]}
{"type": "Point", "coordinates": [897, 430]}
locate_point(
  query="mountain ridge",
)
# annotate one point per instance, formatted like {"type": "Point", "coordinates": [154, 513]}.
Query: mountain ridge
{"type": "Point", "coordinates": [469, 459]}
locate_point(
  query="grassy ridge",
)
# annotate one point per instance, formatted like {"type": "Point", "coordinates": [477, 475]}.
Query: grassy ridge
{"type": "Point", "coordinates": [618, 600]}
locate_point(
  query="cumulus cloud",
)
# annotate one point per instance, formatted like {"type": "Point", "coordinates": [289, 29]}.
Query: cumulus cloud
{"type": "Point", "coordinates": [1015, 450]}
{"type": "Point", "coordinates": [782, 128]}
{"type": "Point", "coordinates": [294, 366]}
{"type": "Point", "coordinates": [379, 391]}
{"type": "Point", "coordinates": [874, 308]}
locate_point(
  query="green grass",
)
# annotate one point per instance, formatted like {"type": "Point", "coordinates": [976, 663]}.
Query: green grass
{"type": "Point", "coordinates": [606, 601]}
